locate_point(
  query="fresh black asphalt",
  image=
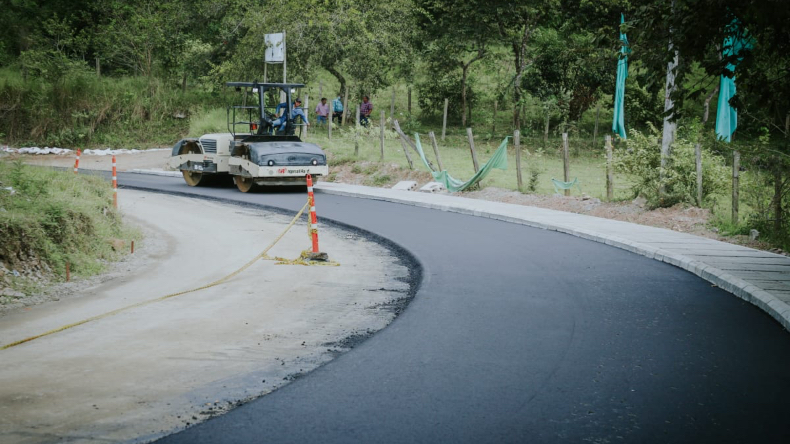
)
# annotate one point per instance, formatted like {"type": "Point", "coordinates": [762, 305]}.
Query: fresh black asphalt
{"type": "Point", "coordinates": [522, 335]}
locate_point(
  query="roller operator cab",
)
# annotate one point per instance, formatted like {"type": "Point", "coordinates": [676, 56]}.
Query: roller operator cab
{"type": "Point", "coordinates": [261, 146]}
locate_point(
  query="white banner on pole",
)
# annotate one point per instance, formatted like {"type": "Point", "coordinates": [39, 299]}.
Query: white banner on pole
{"type": "Point", "coordinates": [275, 48]}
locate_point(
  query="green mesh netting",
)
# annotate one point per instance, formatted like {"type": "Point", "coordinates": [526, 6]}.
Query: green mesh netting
{"type": "Point", "coordinates": [560, 185]}
{"type": "Point", "coordinates": [498, 160]}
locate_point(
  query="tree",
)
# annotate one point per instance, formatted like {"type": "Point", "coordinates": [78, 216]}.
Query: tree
{"type": "Point", "coordinates": [456, 34]}
{"type": "Point", "coordinates": [516, 24]}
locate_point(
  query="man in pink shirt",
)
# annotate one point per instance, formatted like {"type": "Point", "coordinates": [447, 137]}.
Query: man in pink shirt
{"type": "Point", "coordinates": [322, 111]}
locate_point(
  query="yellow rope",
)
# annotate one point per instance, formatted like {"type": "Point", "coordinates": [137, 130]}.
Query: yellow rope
{"type": "Point", "coordinates": [262, 255]}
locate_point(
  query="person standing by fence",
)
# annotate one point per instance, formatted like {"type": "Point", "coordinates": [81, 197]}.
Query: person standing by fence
{"type": "Point", "coordinates": [337, 109]}
{"type": "Point", "coordinates": [364, 111]}
{"type": "Point", "coordinates": [322, 111]}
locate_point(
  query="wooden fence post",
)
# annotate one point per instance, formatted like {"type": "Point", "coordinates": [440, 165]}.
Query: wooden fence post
{"type": "Point", "coordinates": [329, 115]}
{"type": "Point", "coordinates": [595, 130]}
{"type": "Point", "coordinates": [408, 142]}
{"type": "Point", "coordinates": [566, 161]}
{"type": "Point", "coordinates": [356, 135]}
{"type": "Point", "coordinates": [698, 156]}
{"type": "Point", "coordinates": [409, 106]}
{"type": "Point", "coordinates": [436, 150]}
{"type": "Point", "coordinates": [406, 152]}
{"type": "Point", "coordinates": [609, 170]}
{"type": "Point", "coordinates": [381, 137]}
{"type": "Point", "coordinates": [444, 119]}
{"type": "Point", "coordinates": [517, 142]}
{"type": "Point", "coordinates": [472, 148]}
{"type": "Point", "coordinates": [736, 166]}
{"type": "Point", "coordinates": [546, 130]}
{"type": "Point", "coordinates": [493, 121]}
{"type": "Point", "coordinates": [392, 104]}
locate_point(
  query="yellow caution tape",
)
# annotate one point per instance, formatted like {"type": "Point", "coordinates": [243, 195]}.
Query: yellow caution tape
{"type": "Point", "coordinates": [262, 255]}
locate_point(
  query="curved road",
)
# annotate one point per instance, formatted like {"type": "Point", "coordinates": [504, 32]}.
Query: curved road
{"type": "Point", "coordinates": [525, 335]}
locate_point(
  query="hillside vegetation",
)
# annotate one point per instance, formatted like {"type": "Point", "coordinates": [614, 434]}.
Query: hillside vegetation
{"type": "Point", "coordinates": [50, 218]}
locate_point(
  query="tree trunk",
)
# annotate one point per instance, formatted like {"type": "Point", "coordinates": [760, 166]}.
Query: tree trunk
{"type": "Point", "coordinates": [339, 78]}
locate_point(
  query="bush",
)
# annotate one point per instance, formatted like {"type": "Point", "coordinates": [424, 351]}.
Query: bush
{"type": "Point", "coordinates": [642, 161]}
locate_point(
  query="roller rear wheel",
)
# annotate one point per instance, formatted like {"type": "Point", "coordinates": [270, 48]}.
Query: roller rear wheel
{"type": "Point", "coordinates": [245, 184]}
{"type": "Point", "coordinates": [193, 178]}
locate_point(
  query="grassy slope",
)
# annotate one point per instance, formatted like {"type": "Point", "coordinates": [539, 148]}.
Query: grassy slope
{"type": "Point", "coordinates": [54, 217]}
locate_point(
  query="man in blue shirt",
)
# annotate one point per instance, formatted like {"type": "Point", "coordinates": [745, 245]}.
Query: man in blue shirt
{"type": "Point", "coordinates": [337, 109]}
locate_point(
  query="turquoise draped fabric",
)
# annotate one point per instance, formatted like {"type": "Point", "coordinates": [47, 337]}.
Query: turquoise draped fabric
{"type": "Point", "coordinates": [618, 123]}
{"type": "Point", "coordinates": [727, 116]}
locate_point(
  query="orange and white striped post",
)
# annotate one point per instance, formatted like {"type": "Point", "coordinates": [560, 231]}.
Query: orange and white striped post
{"type": "Point", "coordinates": [77, 162]}
{"type": "Point", "coordinates": [313, 218]}
{"type": "Point", "coordinates": [114, 185]}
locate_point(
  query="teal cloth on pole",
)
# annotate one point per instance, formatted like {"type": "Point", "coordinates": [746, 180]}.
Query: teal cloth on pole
{"type": "Point", "coordinates": [618, 123]}
{"type": "Point", "coordinates": [498, 160]}
{"type": "Point", "coordinates": [727, 116]}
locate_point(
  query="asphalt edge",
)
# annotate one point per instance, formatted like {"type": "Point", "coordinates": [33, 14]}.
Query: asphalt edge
{"type": "Point", "coordinates": [765, 301]}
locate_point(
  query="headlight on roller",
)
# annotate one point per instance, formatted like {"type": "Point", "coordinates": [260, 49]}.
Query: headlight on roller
{"type": "Point", "coordinates": [270, 163]}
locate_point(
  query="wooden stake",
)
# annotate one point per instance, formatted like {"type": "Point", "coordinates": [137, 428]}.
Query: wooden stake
{"type": "Point", "coordinates": [381, 137]}
{"type": "Point", "coordinates": [345, 108]}
{"type": "Point", "coordinates": [436, 150]}
{"type": "Point", "coordinates": [493, 121]}
{"type": "Point", "coordinates": [392, 104]}
{"type": "Point", "coordinates": [609, 170]}
{"type": "Point", "coordinates": [409, 106]}
{"type": "Point", "coordinates": [132, 246]}
{"type": "Point", "coordinates": [472, 148]}
{"type": "Point", "coordinates": [566, 161]}
{"type": "Point", "coordinates": [356, 135]}
{"type": "Point", "coordinates": [68, 272]}
{"type": "Point", "coordinates": [406, 152]}
{"type": "Point", "coordinates": [736, 166]}
{"type": "Point", "coordinates": [546, 131]}
{"type": "Point", "coordinates": [444, 119]}
{"type": "Point", "coordinates": [329, 117]}
{"type": "Point", "coordinates": [595, 131]}
{"type": "Point", "coordinates": [698, 156]}
{"type": "Point", "coordinates": [517, 143]}
{"type": "Point", "coordinates": [409, 143]}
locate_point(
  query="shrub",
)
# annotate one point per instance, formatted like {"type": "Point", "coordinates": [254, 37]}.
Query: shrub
{"type": "Point", "coordinates": [642, 161]}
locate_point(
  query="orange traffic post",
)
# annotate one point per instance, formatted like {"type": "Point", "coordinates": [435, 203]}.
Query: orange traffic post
{"type": "Point", "coordinates": [315, 254]}
{"type": "Point", "coordinates": [114, 184]}
{"type": "Point", "coordinates": [77, 162]}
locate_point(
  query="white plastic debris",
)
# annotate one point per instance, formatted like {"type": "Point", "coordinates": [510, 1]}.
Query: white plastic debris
{"type": "Point", "coordinates": [405, 185]}
{"type": "Point", "coordinates": [433, 187]}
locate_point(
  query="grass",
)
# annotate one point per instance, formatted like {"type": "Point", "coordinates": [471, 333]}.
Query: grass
{"type": "Point", "coordinates": [81, 110]}
{"type": "Point", "coordinates": [55, 217]}
{"type": "Point", "coordinates": [588, 165]}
